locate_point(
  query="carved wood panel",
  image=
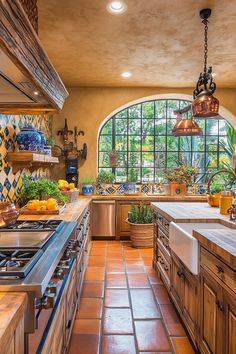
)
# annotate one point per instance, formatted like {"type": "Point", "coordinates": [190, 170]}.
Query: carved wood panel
{"type": "Point", "coordinates": [31, 9]}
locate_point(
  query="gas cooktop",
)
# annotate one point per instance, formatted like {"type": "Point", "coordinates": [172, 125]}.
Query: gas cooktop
{"type": "Point", "coordinates": [16, 264]}
{"type": "Point", "coordinates": [35, 225]}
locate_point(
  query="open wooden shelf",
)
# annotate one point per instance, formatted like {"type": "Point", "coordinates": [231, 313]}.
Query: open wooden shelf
{"type": "Point", "coordinates": [30, 160]}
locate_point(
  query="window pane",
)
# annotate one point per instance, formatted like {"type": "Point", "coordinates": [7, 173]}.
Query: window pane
{"type": "Point", "coordinates": [170, 125]}
{"type": "Point", "coordinates": [160, 143]}
{"type": "Point", "coordinates": [224, 161]}
{"type": "Point", "coordinates": [134, 143]}
{"type": "Point", "coordinates": [212, 127]}
{"type": "Point", "coordinates": [135, 111]}
{"type": "Point", "coordinates": [172, 105]}
{"type": "Point", "coordinates": [147, 174]}
{"type": "Point", "coordinates": [147, 127]}
{"type": "Point", "coordinates": [121, 143]}
{"type": "Point", "coordinates": [198, 143]}
{"type": "Point", "coordinates": [121, 174]}
{"type": "Point", "coordinates": [160, 159]}
{"type": "Point", "coordinates": [134, 172]}
{"type": "Point", "coordinates": [107, 128]}
{"type": "Point", "coordinates": [172, 143]}
{"type": "Point", "coordinates": [223, 126]}
{"type": "Point", "coordinates": [122, 114]}
{"type": "Point", "coordinates": [134, 159]}
{"type": "Point", "coordinates": [198, 159]}
{"type": "Point", "coordinates": [185, 143]}
{"type": "Point", "coordinates": [211, 143]}
{"type": "Point", "coordinates": [172, 159]}
{"type": "Point", "coordinates": [134, 126]}
{"type": "Point", "coordinates": [160, 126]}
{"type": "Point", "coordinates": [148, 143]}
{"type": "Point", "coordinates": [148, 159]}
{"type": "Point", "coordinates": [104, 159]}
{"type": "Point", "coordinates": [148, 110]}
{"type": "Point", "coordinates": [121, 126]}
{"type": "Point", "coordinates": [161, 109]}
{"type": "Point", "coordinates": [105, 143]}
{"type": "Point", "coordinates": [202, 123]}
{"type": "Point", "coordinates": [122, 159]}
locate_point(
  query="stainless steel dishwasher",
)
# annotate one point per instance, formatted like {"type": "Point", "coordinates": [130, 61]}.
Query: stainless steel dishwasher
{"type": "Point", "coordinates": [103, 219]}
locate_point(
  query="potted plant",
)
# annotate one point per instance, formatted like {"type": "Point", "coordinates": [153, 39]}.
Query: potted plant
{"type": "Point", "coordinates": [87, 185]}
{"type": "Point", "coordinates": [213, 198]}
{"type": "Point", "coordinates": [130, 185]}
{"type": "Point", "coordinates": [180, 178]}
{"type": "Point", "coordinates": [104, 180]}
{"type": "Point", "coordinates": [50, 141]}
{"type": "Point", "coordinates": [140, 219]}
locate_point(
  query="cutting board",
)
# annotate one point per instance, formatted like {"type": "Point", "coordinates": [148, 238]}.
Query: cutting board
{"type": "Point", "coordinates": [26, 211]}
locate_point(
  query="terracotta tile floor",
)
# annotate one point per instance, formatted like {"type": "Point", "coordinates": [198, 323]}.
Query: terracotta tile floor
{"type": "Point", "coordinates": [125, 308]}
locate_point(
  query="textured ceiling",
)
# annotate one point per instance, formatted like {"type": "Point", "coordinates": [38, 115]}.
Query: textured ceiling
{"type": "Point", "coordinates": [159, 41]}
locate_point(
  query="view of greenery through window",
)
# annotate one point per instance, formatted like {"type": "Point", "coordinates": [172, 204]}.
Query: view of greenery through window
{"type": "Point", "coordinates": [141, 135]}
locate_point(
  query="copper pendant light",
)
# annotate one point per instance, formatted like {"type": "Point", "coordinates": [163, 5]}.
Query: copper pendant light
{"type": "Point", "coordinates": [205, 105]}
{"type": "Point", "coordinates": [186, 127]}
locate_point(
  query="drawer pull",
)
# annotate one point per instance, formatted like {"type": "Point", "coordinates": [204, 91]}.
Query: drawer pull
{"type": "Point", "coordinates": [69, 323]}
{"type": "Point", "coordinates": [220, 305]}
{"type": "Point", "coordinates": [219, 269]}
{"type": "Point", "coordinates": [181, 274]}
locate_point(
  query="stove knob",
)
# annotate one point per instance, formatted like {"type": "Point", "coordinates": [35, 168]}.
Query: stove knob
{"type": "Point", "coordinates": [59, 273]}
{"type": "Point", "coordinates": [52, 288]}
{"type": "Point", "coordinates": [49, 301]}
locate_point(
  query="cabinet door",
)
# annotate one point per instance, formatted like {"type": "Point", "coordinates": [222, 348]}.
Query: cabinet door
{"type": "Point", "coordinates": [177, 283]}
{"type": "Point", "coordinates": [190, 303]}
{"type": "Point", "coordinates": [59, 332]}
{"type": "Point", "coordinates": [71, 304]}
{"type": "Point", "coordinates": [123, 225]}
{"type": "Point", "coordinates": [211, 319]}
{"type": "Point", "coordinates": [229, 308]}
{"type": "Point", "coordinates": [19, 337]}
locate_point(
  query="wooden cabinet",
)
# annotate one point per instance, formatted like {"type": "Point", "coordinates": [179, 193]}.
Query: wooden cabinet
{"type": "Point", "coordinates": [217, 306]}
{"type": "Point", "coordinates": [16, 343]}
{"type": "Point", "coordinates": [184, 291]}
{"type": "Point", "coordinates": [122, 209]}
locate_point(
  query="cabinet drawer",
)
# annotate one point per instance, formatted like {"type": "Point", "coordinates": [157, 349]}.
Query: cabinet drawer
{"type": "Point", "coordinates": [220, 269]}
{"type": "Point", "coordinates": [163, 239]}
{"type": "Point", "coordinates": [163, 265]}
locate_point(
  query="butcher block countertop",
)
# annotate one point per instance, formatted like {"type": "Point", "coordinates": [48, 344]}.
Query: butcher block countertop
{"type": "Point", "coordinates": [72, 212]}
{"type": "Point", "coordinates": [220, 242]}
{"type": "Point", "coordinates": [189, 212]}
{"type": "Point", "coordinates": [12, 307]}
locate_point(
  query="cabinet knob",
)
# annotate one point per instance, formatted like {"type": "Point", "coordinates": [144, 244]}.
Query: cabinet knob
{"type": "Point", "coordinates": [220, 305]}
{"type": "Point", "coordinates": [181, 274]}
{"type": "Point", "coordinates": [219, 269]}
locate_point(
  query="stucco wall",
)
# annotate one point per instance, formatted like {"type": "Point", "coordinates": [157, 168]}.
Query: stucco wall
{"type": "Point", "coordinates": [87, 108]}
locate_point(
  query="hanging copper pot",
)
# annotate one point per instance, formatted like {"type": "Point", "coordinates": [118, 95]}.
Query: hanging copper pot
{"type": "Point", "coordinates": [205, 105]}
{"type": "Point", "coordinates": [186, 127]}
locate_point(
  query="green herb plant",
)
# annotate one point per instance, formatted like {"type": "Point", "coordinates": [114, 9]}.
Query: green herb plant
{"type": "Point", "coordinates": [141, 214]}
{"type": "Point", "coordinates": [87, 180]}
{"type": "Point", "coordinates": [36, 189]}
{"type": "Point", "coordinates": [50, 141]}
{"type": "Point", "coordinates": [104, 177]}
{"type": "Point", "coordinates": [216, 188]}
{"type": "Point", "coordinates": [132, 177]}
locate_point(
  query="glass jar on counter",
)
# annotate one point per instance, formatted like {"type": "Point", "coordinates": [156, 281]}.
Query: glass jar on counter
{"type": "Point", "coordinates": [226, 199]}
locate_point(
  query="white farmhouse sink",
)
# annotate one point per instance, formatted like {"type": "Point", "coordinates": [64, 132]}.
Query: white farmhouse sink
{"type": "Point", "coordinates": [184, 245]}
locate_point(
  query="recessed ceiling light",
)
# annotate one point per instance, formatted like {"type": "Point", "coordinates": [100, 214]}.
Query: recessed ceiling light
{"type": "Point", "coordinates": [116, 7]}
{"type": "Point", "coordinates": [36, 93]}
{"type": "Point", "coordinates": [126, 74]}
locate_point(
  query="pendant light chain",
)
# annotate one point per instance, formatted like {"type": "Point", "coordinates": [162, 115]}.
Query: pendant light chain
{"type": "Point", "coordinates": [205, 22]}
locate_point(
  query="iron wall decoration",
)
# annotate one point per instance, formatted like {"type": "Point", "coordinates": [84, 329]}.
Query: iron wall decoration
{"type": "Point", "coordinates": [205, 105]}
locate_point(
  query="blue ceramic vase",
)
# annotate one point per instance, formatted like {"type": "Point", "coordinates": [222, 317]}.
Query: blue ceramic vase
{"type": "Point", "coordinates": [43, 140]}
{"type": "Point", "coordinates": [87, 189]}
{"type": "Point", "coordinates": [29, 139]}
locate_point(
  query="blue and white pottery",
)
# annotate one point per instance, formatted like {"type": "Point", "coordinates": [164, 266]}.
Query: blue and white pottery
{"type": "Point", "coordinates": [129, 187]}
{"type": "Point", "coordinates": [29, 139]}
{"type": "Point", "coordinates": [43, 140]}
{"type": "Point", "coordinates": [87, 189]}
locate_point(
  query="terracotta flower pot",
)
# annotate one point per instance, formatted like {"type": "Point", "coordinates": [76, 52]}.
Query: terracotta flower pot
{"type": "Point", "coordinates": [213, 200]}
{"type": "Point", "coordinates": [141, 235]}
{"type": "Point", "coordinates": [178, 189]}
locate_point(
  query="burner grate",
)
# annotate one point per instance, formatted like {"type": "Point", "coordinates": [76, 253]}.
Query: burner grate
{"type": "Point", "coordinates": [46, 225]}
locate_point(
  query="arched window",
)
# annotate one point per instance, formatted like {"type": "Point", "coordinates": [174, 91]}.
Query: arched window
{"type": "Point", "coordinates": [141, 135]}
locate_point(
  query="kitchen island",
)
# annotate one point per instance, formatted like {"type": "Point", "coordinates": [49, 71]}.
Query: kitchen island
{"type": "Point", "coordinates": [12, 307]}
{"type": "Point", "coordinates": [205, 299]}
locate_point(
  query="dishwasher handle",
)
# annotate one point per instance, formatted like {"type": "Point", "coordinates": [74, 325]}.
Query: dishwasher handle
{"type": "Point", "coordinates": [103, 202]}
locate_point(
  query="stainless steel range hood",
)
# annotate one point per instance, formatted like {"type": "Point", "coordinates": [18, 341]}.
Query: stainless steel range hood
{"type": "Point", "coordinates": [28, 80]}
